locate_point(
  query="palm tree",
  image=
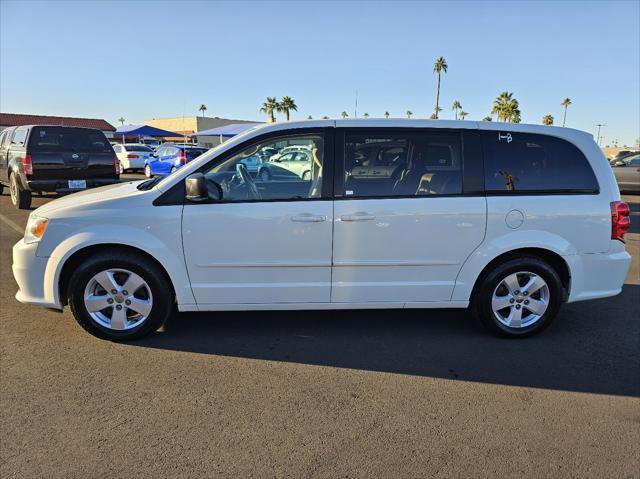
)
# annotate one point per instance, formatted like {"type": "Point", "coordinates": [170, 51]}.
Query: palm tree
{"type": "Point", "coordinates": [121, 120]}
{"type": "Point", "coordinates": [462, 114]}
{"type": "Point", "coordinates": [456, 106]}
{"type": "Point", "coordinates": [366, 115]}
{"type": "Point", "coordinates": [309, 117]}
{"type": "Point", "coordinates": [344, 115]}
{"type": "Point", "coordinates": [565, 103]}
{"type": "Point", "coordinates": [202, 108]}
{"type": "Point", "coordinates": [433, 116]}
{"type": "Point", "coordinates": [286, 105]}
{"type": "Point", "coordinates": [409, 113]}
{"type": "Point", "coordinates": [386, 114]}
{"type": "Point", "coordinates": [547, 120]}
{"type": "Point", "coordinates": [438, 67]}
{"type": "Point", "coordinates": [487, 118]}
{"type": "Point", "coordinates": [325, 117]}
{"type": "Point", "coordinates": [269, 107]}
{"type": "Point", "coordinates": [506, 107]}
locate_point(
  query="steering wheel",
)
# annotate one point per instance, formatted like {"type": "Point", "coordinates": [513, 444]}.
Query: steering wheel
{"type": "Point", "coordinates": [248, 181]}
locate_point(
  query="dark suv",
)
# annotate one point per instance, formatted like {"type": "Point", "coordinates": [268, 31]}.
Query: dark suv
{"type": "Point", "coordinates": [61, 159]}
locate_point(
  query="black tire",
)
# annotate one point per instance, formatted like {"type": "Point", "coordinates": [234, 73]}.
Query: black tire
{"type": "Point", "coordinates": [20, 198]}
{"type": "Point", "coordinates": [265, 175]}
{"type": "Point", "coordinates": [163, 297]}
{"type": "Point", "coordinates": [147, 171]}
{"type": "Point", "coordinates": [306, 175]}
{"type": "Point", "coordinates": [481, 305]}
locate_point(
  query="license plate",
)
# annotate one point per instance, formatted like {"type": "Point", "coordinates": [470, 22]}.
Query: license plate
{"type": "Point", "coordinates": [77, 184]}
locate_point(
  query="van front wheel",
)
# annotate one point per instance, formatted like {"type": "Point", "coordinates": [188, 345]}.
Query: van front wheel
{"type": "Point", "coordinates": [120, 296]}
{"type": "Point", "coordinates": [518, 298]}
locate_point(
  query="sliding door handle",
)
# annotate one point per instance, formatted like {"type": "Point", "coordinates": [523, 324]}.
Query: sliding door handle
{"type": "Point", "coordinates": [308, 218]}
{"type": "Point", "coordinates": [360, 216]}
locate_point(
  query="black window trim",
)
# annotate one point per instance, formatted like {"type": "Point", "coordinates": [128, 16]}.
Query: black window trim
{"type": "Point", "coordinates": [176, 194]}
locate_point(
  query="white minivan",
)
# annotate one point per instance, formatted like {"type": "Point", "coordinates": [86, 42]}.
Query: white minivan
{"type": "Point", "coordinates": [508, 220]}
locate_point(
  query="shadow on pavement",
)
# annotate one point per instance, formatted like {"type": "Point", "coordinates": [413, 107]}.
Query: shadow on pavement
{"type": "Point", "coordinates": [592, 346]}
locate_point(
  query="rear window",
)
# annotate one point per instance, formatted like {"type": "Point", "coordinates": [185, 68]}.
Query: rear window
{"type": "Point", "coordinates": [138, 148]}
{"type": "Point", "coordinates": [64, 139]}
{"type": "Point", "coordinates": [528, 163]}
{"type": "Point", "coordinates": [195, 152]}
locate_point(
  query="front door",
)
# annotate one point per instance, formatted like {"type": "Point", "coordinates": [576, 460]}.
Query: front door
{"type": "Point", "coordinates": [266, 242]}
{"type": "Point", "coordinates": [404, 237]}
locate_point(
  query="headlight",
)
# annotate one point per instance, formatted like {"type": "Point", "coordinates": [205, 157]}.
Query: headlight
{"type": "Point", "coordinates": [36, 227]}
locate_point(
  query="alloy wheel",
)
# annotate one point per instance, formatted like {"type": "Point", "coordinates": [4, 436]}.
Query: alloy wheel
{"type": "Point", "coordinates": [520, 299]}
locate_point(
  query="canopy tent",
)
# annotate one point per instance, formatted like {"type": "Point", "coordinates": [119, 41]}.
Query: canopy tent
{"type": "Point", "coordinates": [143, 130]}
{"type": "Point", "coordinates": [228, 130]}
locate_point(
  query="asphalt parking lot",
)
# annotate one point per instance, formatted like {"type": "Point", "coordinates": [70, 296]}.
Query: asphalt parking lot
{"type": "Point", "coordinates": [320, 394]}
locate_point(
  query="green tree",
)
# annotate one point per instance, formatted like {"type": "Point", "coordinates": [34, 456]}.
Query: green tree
{"type": "Point", "coordinates": [565, 103]}
{"type": "Point", "coordinates": [386, 114]}
{"type": "Point", "coordinates": [286, 105]}
{"type": "Point", "coordinates": [456, 106]}
{"type": "Point", "coordinates": [202, 108]}
{"type": "Point", "coordinates": [462, 115]}
{"type": "Point", "coordinates": [325, 117]}
{"type": "Point", "coordinates": [366, 115]}
{"type": "Point", "coordinates": [409, 113]}
{"type": "Point", "coordinates": [269, 107]}
{"type": "Point", "coordinates": [506, 108]}
{"type": "Point", "coordinates": [433, 116]}
{"type": "Point", "coordinates": [439, 67]}
{"type": "Point", "coordinates": [344, 115]}
{"type": "Point", "coordinates": [547, 120]}
{"type": "Point", "coordinates": [487, 118]}
{"type": "Point", "coordinates": [309, 117]}
{"type": "Point", "coordinates": [121, 120]}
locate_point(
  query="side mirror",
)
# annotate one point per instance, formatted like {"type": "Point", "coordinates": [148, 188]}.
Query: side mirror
{"type": "Point", "coordinates": [196, 188]}
{"type": "Point", "coordinates": [154, 154]}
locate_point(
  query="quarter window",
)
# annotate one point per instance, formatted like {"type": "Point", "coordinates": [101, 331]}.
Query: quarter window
{"type": "Point", "coordinates": [415, 164]}
{"type": "Point", "coordinates": [19, 136]}
{"type": "Point", "coordinates": [528, 163]}
{"type": "Point", "coordinates": [272, 170]}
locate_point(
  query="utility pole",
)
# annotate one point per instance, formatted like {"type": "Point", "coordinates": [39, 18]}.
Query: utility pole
{"type": "Point", "coordinates": [355, 111]}
{"type": "Point", "coordinates": [599, 125]}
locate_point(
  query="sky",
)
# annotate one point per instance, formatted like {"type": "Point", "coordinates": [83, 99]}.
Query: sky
{"type": "Point", "coordinates": [153, 59]}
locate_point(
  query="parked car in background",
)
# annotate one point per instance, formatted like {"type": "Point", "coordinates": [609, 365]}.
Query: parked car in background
{"type": "Point", "coordinates": [39, 158]}
{"type": "Point", "coordinates": [627, 171]}
{"type": "Point", "coordinates": [622, 154]}
{"type": "Point", "coordinates": [168, 158]}
{"type": "Point", "coordinates": [132, 156]}
{"type": "Point", "coordinates": [507, 220]}
{"type": "Point", "coordinates": [295, 163]}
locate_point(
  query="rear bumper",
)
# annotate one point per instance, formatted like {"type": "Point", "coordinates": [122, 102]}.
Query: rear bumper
{"type": "Point", "coordinates": [598, 275]}
{"type": "Point", "coordinates": [29, 272]}
{"type": "Point", "coordinates": [62, 185]}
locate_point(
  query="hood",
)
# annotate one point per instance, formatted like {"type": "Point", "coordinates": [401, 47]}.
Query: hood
{"type": "Point", "coordinates": [92, 195]}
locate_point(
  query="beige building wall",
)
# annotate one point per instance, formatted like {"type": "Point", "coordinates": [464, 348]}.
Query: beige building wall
{"type": "Point", "coordinates": [191, 124]}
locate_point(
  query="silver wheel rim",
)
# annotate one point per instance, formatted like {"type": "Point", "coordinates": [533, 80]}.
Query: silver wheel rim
{"type": "Point", "coordinates": [147, 171]}
{"type": "Point", "coordinates": [118, 299]}
{"type": "Point", "coordinates": [520, 299]}
{"type": "Point", "coordinates": [13, 189]}
{"type": "Point", "coordinates": [264, 175]}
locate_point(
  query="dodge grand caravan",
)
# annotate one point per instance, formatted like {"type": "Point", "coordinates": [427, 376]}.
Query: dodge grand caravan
{"type": "Point", "coordinates": [507, 220]}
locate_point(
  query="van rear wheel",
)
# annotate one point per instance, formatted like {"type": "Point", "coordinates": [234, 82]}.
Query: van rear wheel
{"type": "Point", "coordinates": [120, 296]}
{"type": "Point", "coordinates": [518, 298]}
{"type": "Point", "coordinates": [20, 198]}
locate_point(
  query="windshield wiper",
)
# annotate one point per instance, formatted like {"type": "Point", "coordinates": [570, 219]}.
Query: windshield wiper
{"type": "Point", "coordinates": [147, 185]}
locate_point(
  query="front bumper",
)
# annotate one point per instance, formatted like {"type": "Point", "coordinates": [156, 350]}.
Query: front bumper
{"type": "Point", "coordinates": [29, 272]}
{"type": "Point", "coordinates": [62, 185]}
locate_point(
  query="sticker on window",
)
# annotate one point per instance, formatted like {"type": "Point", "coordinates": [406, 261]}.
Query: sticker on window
{"type": "Point", "coordinates": [348, 192]}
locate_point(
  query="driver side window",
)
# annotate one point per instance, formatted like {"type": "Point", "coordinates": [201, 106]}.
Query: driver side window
{"type": "Point", "coordinates": [275, 176]}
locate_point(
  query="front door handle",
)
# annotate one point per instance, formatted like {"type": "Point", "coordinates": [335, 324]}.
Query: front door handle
{"type": "Point", "coordinates": [360, 216]}
{"type": "Point", "coordinates": [308, 218]}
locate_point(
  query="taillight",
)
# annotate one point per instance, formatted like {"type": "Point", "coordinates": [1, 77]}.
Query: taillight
{"type": "Point", "coordinates": [27, 165]}
{"type": "Point", "coordinates": [116, 165]}
{"type": "Point", "coordinates": [132, 156]}
{"type": "Point", "coordinates": [183, 157]}
{"type": "Point", "coordinates": [620, 220]}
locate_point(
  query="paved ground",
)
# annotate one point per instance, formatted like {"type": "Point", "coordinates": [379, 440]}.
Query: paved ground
{"type": "Point", "coordinates": [333, 394]}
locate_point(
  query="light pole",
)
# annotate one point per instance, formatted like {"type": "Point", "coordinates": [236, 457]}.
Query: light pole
{"type": "Point", "coordinates": [599, 125]}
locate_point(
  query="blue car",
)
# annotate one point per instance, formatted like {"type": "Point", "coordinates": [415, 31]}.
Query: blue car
{"type": "Point", "coordinates": [168, 158]}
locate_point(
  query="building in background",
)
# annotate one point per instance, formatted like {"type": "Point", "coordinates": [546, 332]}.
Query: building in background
{"type": "Point", "coordinates": [17, 119]}
{"type": "Point", "coordinates": [188, 125]}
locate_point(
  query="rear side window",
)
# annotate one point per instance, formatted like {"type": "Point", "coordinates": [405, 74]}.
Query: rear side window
{"type": "Point", "coordinates": [402, 165]}
{"type": "Point", "coordinates": [194, 152]}
{"type": "Point", "coordinates": [65, 139]}
{"type": "Point", "coordinates": [19, 136]}
{"type": "Point", "coordinates": [528, 163]}
{"type": "Point", "coordinates": [138, 148]}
